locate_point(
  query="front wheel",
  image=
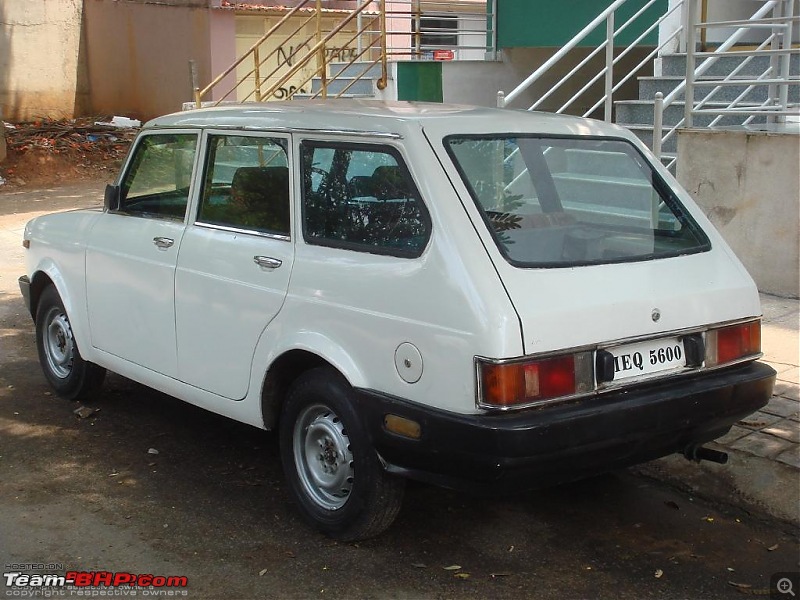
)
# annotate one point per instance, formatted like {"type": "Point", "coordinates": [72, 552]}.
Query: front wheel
{"type": "Point", "coordinates": [66, 371]}
{"type": "Point", "coordinates": [332, 469]}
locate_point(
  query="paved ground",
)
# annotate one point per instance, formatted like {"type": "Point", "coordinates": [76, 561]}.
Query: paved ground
{"type": "Point", "coordinates": [89, 494]}
{"type": "Point", "coordinates": [763, 473]}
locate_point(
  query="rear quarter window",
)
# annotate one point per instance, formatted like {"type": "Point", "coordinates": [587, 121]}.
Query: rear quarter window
{"type": "Point", "coordinates": [361, 197]}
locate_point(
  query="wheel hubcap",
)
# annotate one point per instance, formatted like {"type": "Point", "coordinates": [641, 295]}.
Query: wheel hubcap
{"type": "Point", "coordinates": [59, 345]}
{"type": "Point", "coordinates": [323, 457]}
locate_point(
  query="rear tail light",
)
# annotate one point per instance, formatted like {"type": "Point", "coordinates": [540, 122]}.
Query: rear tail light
{"type": "Point", "coordinates": [734, 343]}
{"type": "Point", "coordinates": [524, 383]}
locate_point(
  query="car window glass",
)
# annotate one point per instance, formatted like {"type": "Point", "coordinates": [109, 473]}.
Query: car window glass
{"type": "Point", "coordinates": [246, 184]}
{"type": "Point", "coordinates": [158, 180]}
{"type": "Point", "coordinates": [361, 197]}
{"type": "Point", "coordinates": [577, 200]}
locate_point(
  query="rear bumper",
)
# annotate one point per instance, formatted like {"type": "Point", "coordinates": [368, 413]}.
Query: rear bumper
{"type": "Point", "coordinates": [544, 446]}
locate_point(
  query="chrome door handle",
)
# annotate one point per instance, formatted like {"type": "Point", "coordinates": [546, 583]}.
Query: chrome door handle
{"type": "Point", "coordinates": [163, 242]}
{"type": "Point", "coordinates": [267, 262]}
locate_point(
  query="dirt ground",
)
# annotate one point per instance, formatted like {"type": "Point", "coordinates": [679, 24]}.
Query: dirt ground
{"type": "Point", "coordinates": [148, 484]}
{"type": "Point", "coordinates": [42, 154]}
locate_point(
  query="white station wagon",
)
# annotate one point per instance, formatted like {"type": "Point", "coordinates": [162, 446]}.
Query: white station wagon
{"type": "Point", "coordinates": [478, 298]}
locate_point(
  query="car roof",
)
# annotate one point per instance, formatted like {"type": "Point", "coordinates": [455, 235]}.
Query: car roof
{"type": "Point", "coordinates": [382, 117]}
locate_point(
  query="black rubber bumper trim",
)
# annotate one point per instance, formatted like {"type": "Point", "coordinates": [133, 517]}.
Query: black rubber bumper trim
{"type": "Point", "coordinates": [25, 289]}
{"type": "Point", "coordinates": [544, 446]}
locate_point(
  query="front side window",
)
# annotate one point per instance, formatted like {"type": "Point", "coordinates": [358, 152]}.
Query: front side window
{"type": "Point", "coordinates": [552, 202]}
{"type": "Point", "coordinates": [246, 184]}
{"type": "Point", "coordinates": [361, 197]}
{"type": "Point", "coordinates": [160, 173]}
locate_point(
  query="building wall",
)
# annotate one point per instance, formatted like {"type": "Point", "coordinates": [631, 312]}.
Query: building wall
{"type": "Point", "coordinates": [746, 182]}
{"type": "Point", "coordinates": [139, 52]}
{"type": "Point", "coordinates": [477, 82]}
{"type": "Point", "coordinates": [223, 51]}
{"type": "Point", "coordinates": [35, 82]}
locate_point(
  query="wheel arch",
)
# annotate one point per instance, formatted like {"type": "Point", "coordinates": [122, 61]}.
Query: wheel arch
{"type": "Point", "coordinates": [285, 358]}
{"type": "Point", "coordinates": [72, 296]}
{"type": "Point", "coordinates": [279, 377]}
{"type": "Point", "coordinates": [40, 281]}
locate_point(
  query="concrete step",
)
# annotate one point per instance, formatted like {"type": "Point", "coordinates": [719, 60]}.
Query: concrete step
{"type": "Point", "coordinates": [593, 162]}
{"type": "Point", "coordinates": [648, 86]}
{"type": "Point", "coordinates": [675, 64]}
{"type": "Point", "coordinates": [641, 112]}
{"type": "Point", "coordinates": [355, 69]}
{"type": "Point", "coordinates": [359, 86]}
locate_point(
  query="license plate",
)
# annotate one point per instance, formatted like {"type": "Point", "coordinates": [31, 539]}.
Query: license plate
{"type": "Point", "coordinates": [646, 358]}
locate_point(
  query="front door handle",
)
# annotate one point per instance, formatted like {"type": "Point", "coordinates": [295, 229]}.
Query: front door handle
{"type": "Point", "coordinates": [267, 262]}
{"type": "Point", "coordinates": [163, 242]}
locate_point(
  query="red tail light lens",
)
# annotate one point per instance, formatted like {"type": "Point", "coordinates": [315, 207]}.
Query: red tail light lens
{"type": "Point", "coordinates": [512, 384]}
{"type": "Point", "coordinates": [730, 344]}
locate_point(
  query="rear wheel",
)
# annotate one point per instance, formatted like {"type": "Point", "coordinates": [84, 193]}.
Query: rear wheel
{"type": "Point", "coordinates": [332, 469]}
{"type": "Point", "coordinates": [66, 371]}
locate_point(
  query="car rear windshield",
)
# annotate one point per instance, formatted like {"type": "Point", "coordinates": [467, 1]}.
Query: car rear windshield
{"type": "Point", "coordinates": [553, 202]}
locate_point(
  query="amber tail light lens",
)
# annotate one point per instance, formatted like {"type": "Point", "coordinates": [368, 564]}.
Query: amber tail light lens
{"type": "Point", "coordinates": [733, 343]}
{"type": "Point", "coordinates": [506, 385]}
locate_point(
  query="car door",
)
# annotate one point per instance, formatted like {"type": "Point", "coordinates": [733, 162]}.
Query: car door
{"type": "Point", "coordinates": [133, 250]}
{"type": "Point", "coordinates": [235, 260]}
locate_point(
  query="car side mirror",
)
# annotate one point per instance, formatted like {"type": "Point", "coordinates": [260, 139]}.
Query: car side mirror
{"type": "Point", "coordinates": [111, 199]}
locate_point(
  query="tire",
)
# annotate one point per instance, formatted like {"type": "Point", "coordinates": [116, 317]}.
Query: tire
{"type": "Point", "coordinates": [67, 373]}
{"type": "Point", "coordinates": [332, 469]}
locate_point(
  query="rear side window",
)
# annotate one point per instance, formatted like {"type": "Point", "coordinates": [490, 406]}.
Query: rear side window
{"type": "Point", "coordinates": [160, 173]}
{"type": "Point", "coordinates": [361, 197]}
{"type": "Point", "coordinates": [246, 184]}
{"type": "Point", "coordinates": [569, 201]}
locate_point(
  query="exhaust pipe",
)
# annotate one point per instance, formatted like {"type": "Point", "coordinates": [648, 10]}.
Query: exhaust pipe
{"type": "Point", "coordinates": [698, 453]}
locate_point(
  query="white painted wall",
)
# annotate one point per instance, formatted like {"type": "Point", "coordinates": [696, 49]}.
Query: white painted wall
{"type": "Point", "coordinates": [718, 10]}
{"type": "Point", "coordinates": [40, 47]}
{"type": "Point", "coordinates": [477, 82]}
{"type": "Point", "coordinates": [746, 182]}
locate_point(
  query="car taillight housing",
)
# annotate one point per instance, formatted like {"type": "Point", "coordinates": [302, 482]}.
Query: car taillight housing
{"type": "Point", "coordinates": [733, 343]}
{"type": "Point", "coordinates": [518, 383]}
{"type": "Point", "coordinates": [550, 378]}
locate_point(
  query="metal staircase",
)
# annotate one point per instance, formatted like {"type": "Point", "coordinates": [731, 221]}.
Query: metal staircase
{"type": "Point", "coordinates": [729, 85]}
{"type": "Point", "coordinates": [315, 51]}
{"type": "Point", "coordinates": [305, 54]}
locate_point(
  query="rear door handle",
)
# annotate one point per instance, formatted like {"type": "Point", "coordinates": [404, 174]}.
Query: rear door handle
{"type": "Point", "coordinates": [163, 242]}
{"type": "Point", "coordinates": [267, 262]}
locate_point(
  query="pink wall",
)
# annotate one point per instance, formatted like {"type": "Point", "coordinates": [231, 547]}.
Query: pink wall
{"type": "Point", "coordinates": [138, 56]}
{"type": "Point", "coordinates": [223, 51]}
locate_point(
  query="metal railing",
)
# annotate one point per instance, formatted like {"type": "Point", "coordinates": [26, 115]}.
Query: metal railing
{"type": "Point", "coordinates": [606, 21]}
{"type": "Point", "coordinates": [371, 34]}
{"type": "Point", "coordinates": [442, 29]}
{"type": "Point", "coordinates": [368, 21]}
{"type": "Point", "coordinates": [778, 19]}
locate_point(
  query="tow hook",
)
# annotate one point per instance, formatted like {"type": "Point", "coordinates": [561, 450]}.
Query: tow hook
{"type": "Point", "coordinates": [698, 453]}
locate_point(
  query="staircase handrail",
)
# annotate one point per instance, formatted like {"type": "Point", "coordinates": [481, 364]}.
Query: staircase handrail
{"type": "Point", "coordinates": [777, 74]}
{"type": "Point", "coordinates": [198, 93]}
{"type": "Point", "coordinates": [320, 45]}
{"type": "Point", "coordinates": [565, 49]}
{"type": "Point", "coordinates": [299, 62]}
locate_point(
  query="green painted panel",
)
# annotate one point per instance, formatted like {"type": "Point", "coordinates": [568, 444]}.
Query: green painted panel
{"type": "Point", "coordinates": [419, 81]}
{"type": "Point", "coordinates": [545, 23]}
